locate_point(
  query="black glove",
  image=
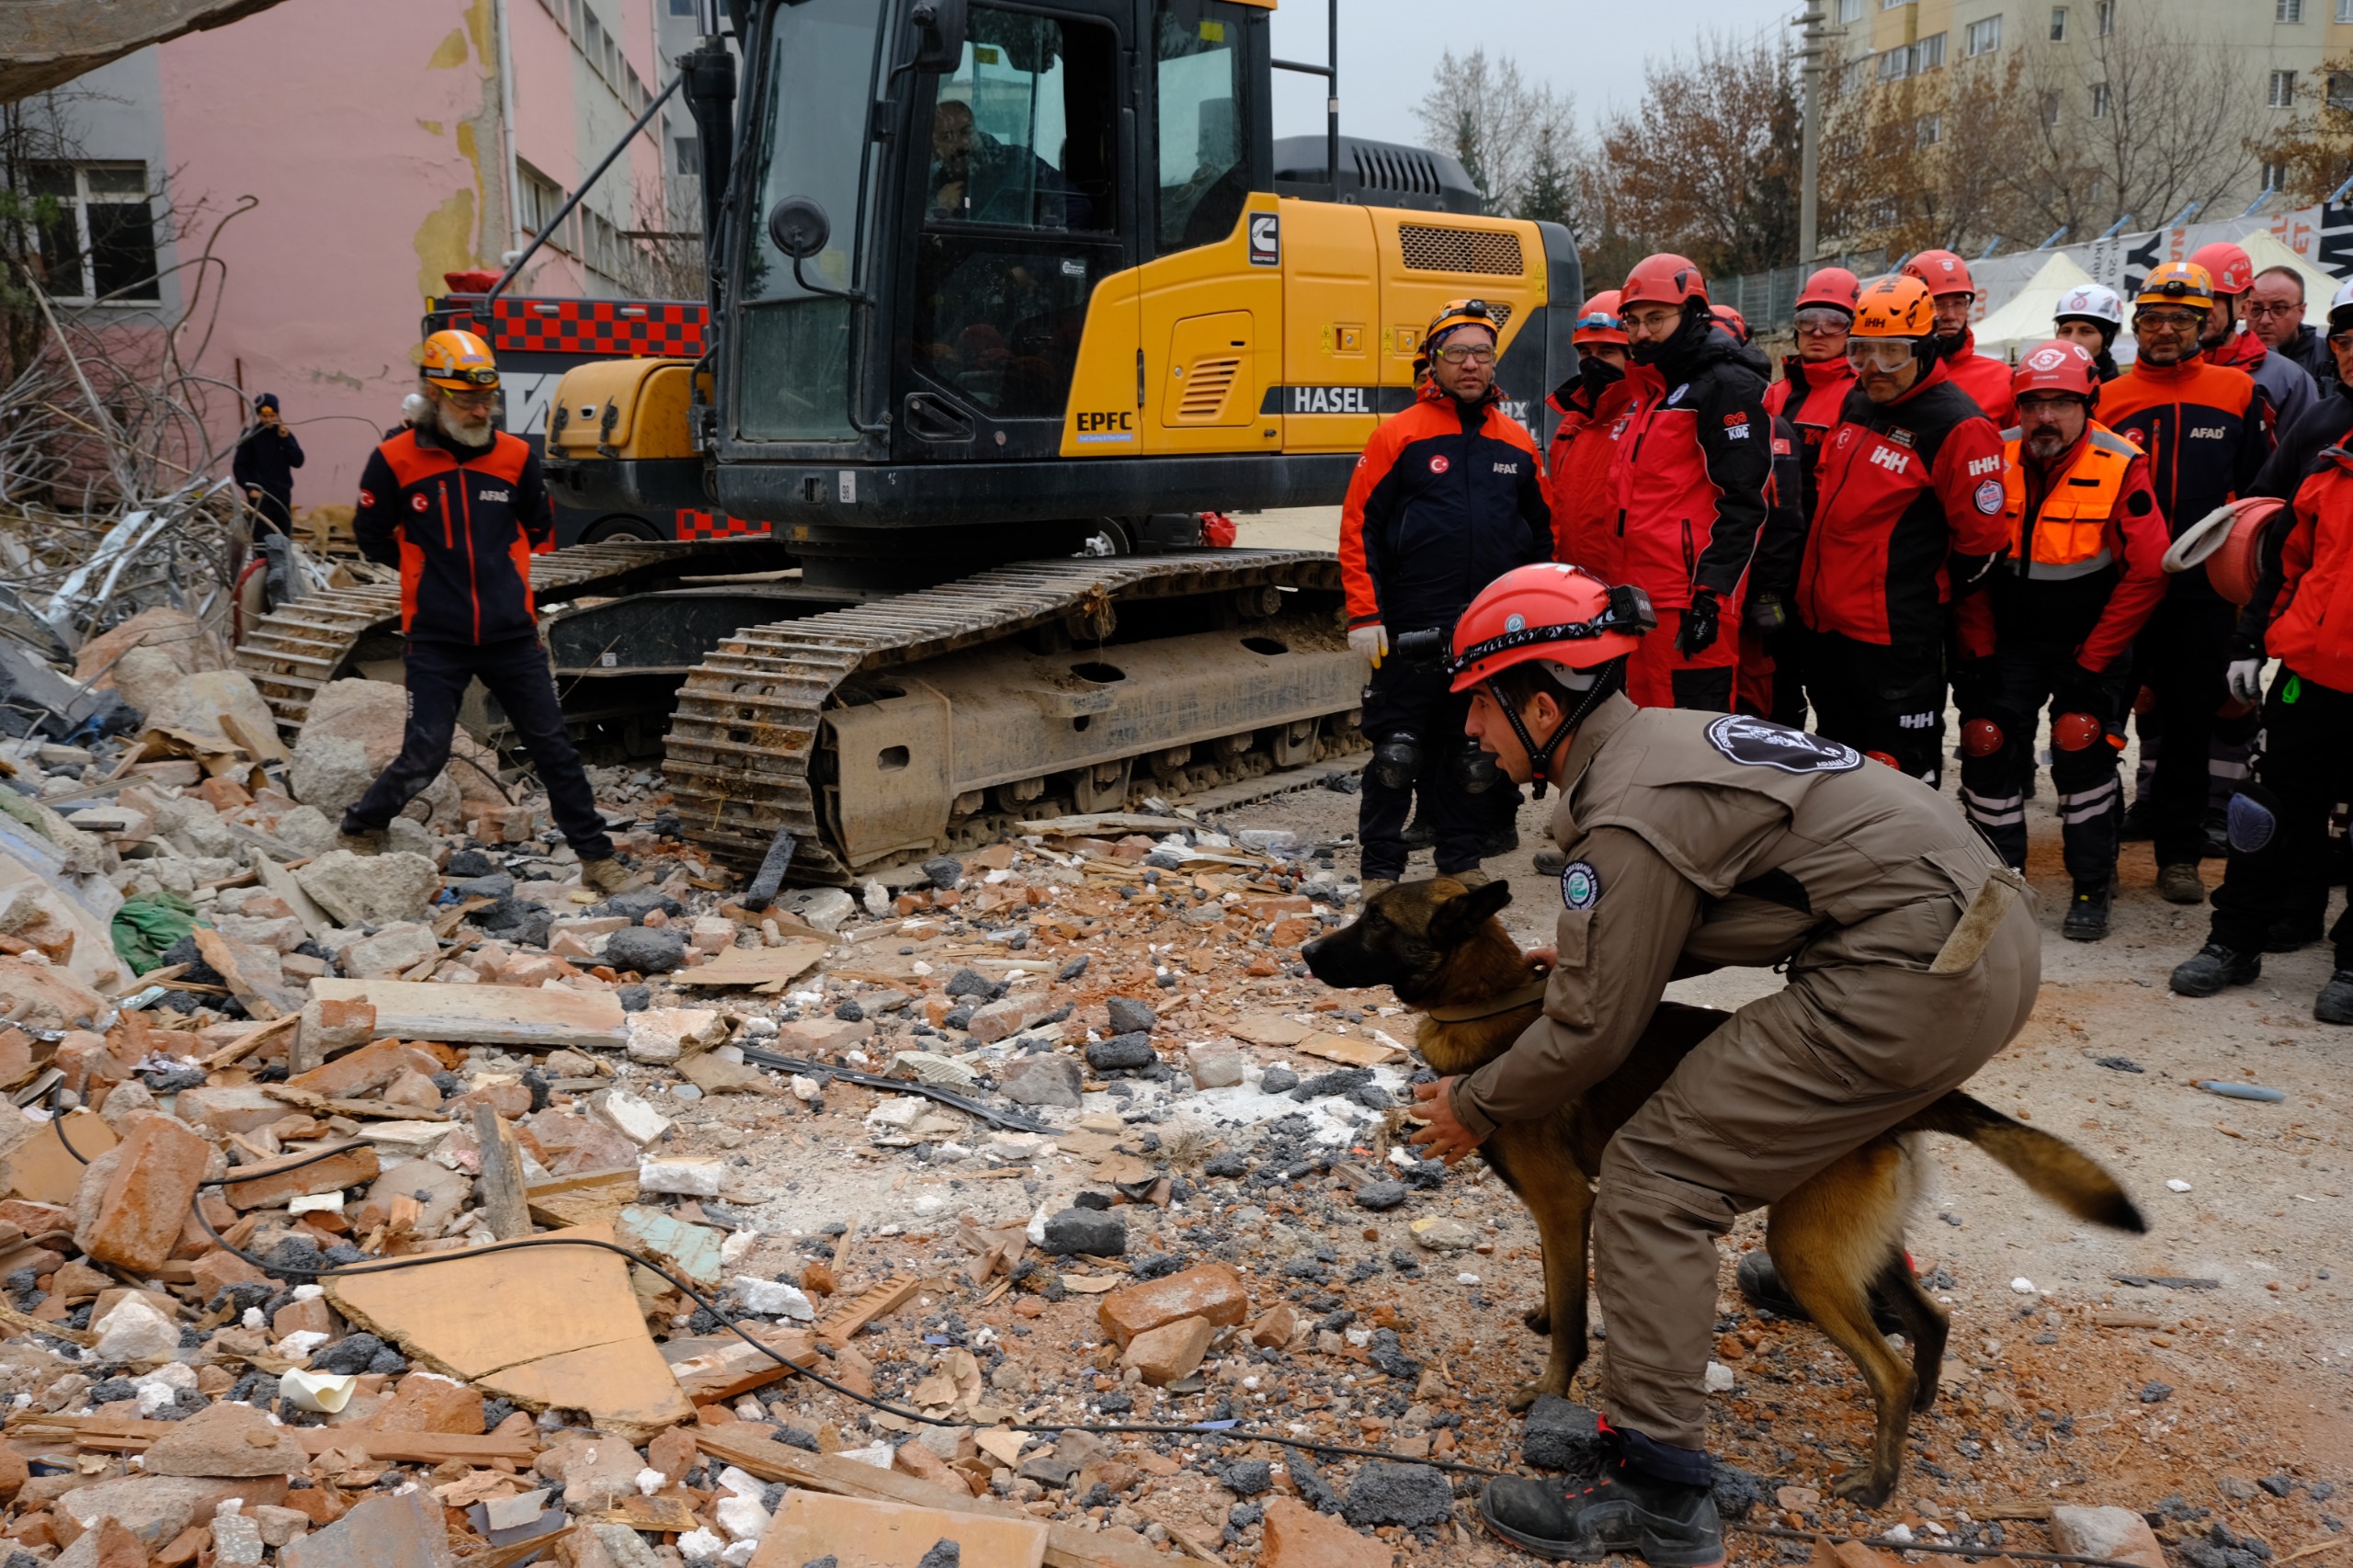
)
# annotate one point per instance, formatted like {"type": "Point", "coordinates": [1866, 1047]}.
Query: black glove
{"type": "Point", "coordinates": [1969, 572]}
{"type": "Point", "coordinates": [1974, 688]}
{"type": "Point", "coordinates": [1699, 631]}
{"type": "Point", "coordinates": [2079, 691]}
{"type": "Point", "coordinates": [1765, 613]}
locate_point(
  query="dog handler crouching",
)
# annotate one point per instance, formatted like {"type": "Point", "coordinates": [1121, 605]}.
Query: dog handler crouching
{"type": "Point", "coordinates": [1694, 841]}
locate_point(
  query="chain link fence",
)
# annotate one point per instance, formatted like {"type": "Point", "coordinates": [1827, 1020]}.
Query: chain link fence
{"type": "Point", "coordinates": [1768, 302]}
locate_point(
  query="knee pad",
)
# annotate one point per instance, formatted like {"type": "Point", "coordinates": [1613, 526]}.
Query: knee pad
{"type": "Point", "coordinates": [1474, 771]}
{"type": "Point", "coordinates": [2252, 824]}
{"type": "Point", "coordinates": [1981, 738]}
{"type": "Point", "coordinates": [2144, 702]}
{"type": "Point", "coordinates": [1397, 760]}
{"type": "Point", "coordinates": [2076, 732]}
{"type": "Point", "coordinates": [1887, 758]}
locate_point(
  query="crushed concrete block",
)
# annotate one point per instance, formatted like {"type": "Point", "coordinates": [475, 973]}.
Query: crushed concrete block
{"type": "Point", "coordinates": [1215, 1064]}
{"type": "Point", "coordinates": [1171, 1351]}
{"type": "Point", "coordinates": [135, 1330]}
{"type": "Point", "coordinates": [225, 1439]}
{"type": "Point", "coordinates": [631, 1117]}
{"type": "Point", "coordinates": [1384, 1493]}
{"type": "Point", "coordinates": [134, 1199]}
{"type": "Point", "coordinates": [1560, 1434]}
{"type": "Point", "coordinates": [2118, 1534]}
{"type": "Point", "coordinates": [371, 889]}
{"type": "Point", "coordinates": [1096, 1232]}
{"type": "Point", "coordinates": [685, 1175]}
{"type": "Point", "coordinates": [397, 947]}
{"type": "Point", "coordinates": [1043, 1078]}
{"type": "Point", "coordinates": [402, 1530]}
{"type": "Point", "coordinates": [156, 1508]}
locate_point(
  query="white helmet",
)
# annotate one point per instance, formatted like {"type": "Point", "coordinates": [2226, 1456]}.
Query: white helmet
{"type": "Point", "coordinates": [2096, 301]}
{"type": "Point", "coordinates": [2340, 300]}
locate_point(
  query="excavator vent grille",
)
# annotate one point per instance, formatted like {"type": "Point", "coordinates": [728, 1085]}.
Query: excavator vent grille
{"type": "Point", "coordinates": [1428, 249]}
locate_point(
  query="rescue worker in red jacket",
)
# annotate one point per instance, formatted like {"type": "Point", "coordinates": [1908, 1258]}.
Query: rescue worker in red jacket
{"type": "Point", "coordinates": [1909, 513]}
{"type": "Point", "coordinates": [1808, 398]}
{"type": "Point", "coordinates": [2206, 431]}
{"type": "Point", "coordinates": [1986, 379]}
{"type": "Point", "coordinates": [457, 505]}
{"type": "Point", "coordinates": [1689, 476]}
{"type": "Point", "coordinates": [1448, 496]}
{"type": "Point", "coordinates": [2056, 622]}
{"type": "Point", "coordinates": [1592, 406]}
{"type": "Point", "coordinates": [2287, 386]}
{"type": "Point", "coordinates": [2302, 614]}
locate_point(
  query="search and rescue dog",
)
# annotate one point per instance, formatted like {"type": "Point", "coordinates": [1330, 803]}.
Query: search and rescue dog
{"type": "Point", "coordinates": [1836, 1240]}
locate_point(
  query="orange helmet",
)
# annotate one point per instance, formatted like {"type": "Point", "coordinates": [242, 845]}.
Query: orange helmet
{"type": "Point", "coordinates": [459, 361]}
{"type": "Point", "coordinates": [1450, 315]}
{"type": "Point", "coordinates": [2178, 283]}
{"type": "Point", "coordinates": [2231, 270]}
{"type": "Point", "coordinates": [1895, 306]}
{"type": "Point", "coordinates": [2057, 367]}
{"type": "Point", "coordinates": [1942, 271]}
{"type": "Point", "coordinates": [1598, 322]}
{"type": "Point", "coordinates": [1661, 279]}
{"type": "Point", "coordinates": [1562, 614]}
{"type": "Point", "coordinates": [1832, 286]}
{"type": "Point", "coordinates": [1732, 321]}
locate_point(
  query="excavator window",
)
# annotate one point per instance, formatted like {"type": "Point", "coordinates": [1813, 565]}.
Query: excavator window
{"type": "Point", "coordinates": [1199, 76]}
{"type": "Point", "coordinates": [1020, 209]}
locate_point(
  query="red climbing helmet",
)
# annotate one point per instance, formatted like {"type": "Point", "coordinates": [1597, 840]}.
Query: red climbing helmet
{"type": "Point", "coordinates": [1561, 614]}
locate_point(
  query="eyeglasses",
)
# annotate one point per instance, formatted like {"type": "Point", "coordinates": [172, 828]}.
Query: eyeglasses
{"type": "Point", "coordinates": [1652, 321]}
{"type": "Point", "coordinates": [1885, 354]}
{"type": "Point", "coordinates": [1477, 354]}
{"type": "Point", "coordinates": [2168, 321]}
{"type": "Point", "coordinates": [2341, 337]}
{"type": "Point", "coordinates": [482, 398]}
{"type": "Point", "coordinates": [2263, 310]}
{"type": "Point", "coordinates": [1822, 320]}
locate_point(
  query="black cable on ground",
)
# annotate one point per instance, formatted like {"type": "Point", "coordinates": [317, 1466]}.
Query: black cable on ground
{"type": "Point", "coordinates": [1229, 1434]}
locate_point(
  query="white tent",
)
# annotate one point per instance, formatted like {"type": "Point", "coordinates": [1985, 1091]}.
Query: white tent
{"type": "Point", "coordinates": [2025, 319]}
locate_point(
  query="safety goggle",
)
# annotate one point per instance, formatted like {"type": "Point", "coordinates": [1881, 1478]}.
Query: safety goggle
{"type": "Point", "coordinates": [1885, 353]}
{"type": "Point", "coordinates": [1629, 609]}
{"type": "Point", "coordinates": [1823, 319]}
{"type": "Point", "coordinates": [1480, 353]}
{"type": "Point", "coordinates": [1599, 321]}
{"type": "Point", "coordinates": [2168, 321]}
{"type": "Point", "coordinates": [472, 375]}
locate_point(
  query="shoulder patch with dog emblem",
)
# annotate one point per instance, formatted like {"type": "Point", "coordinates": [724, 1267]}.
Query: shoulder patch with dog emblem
{"type": "Point", "coordinates": [1580, 885]}
{"type": "Point", "coordinates": [1759, 743]}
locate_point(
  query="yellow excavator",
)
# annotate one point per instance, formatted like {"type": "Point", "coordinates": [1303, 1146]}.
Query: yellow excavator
{"type": "Point", "coordinates": [1005, 299]}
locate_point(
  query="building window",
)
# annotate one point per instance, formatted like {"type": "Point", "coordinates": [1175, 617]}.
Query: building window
{"type": "Point", "coordinates": [539, 198]}
{"type": "Point", "coordinates": [2283, 89]}
{"type": "Point", "coordinates": [689, 155]}
{"type": "Point", "coordinates": [682, 7]}
{"type": "Point", "coordinates": [1852, 10]}
{"type": "Point", "coordinates": [1984, 38]}
{"type": "Point", "coordinates": [1930, 52]}
{"type": "Point", "coordinates": [2344, 10]}
{"type": "Point", "coordinates": [98, 232]}
{"type": "Point", "coordinates": [2288, 11]}
{"type": "Point", "coordinates": [1895, 65]}
{"type": "Point", "coordinates": [2275, 176]}
{"type": "Point", "coordinates": [2058, 24]}
{"type": "Point", "coordinates": [2049, 109]}
{"type": "Point", "coordinates": [2099, 100]}
{"type": "Point", "coordinates": [1930, 129]}
{"type": "Point", "coordinates": [2340, 89]}
{"type": "Point", "coordinates": [2104, 14]}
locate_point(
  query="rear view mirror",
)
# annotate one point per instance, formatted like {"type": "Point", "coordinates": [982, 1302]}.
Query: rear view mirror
{"type": "Point", "coordinates": [938, 27]}
{"type": "Point", "coordinates": [800, 227]}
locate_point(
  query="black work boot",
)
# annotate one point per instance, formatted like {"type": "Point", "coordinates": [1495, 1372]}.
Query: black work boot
{"type": "Point", "coordinates": [2087, 914]}
{"type": "Point", "coordinates": [1761, 1283]}
{"type": "Point", "coordinates": [2214, 966]}
{"type": "Point", "coordinates": [1583, 1519]}
{"type": "Point", "coordinates": [2290, 932]}
{"type": "Point", "coordinates": [2335, 1003]}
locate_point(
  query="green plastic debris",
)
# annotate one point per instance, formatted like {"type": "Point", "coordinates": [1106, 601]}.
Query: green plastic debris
{"type": "Point", "coordinates": [146, 929]}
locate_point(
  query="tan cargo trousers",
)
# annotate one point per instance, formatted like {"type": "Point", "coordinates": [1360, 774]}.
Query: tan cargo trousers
{"type": "Point", "coordinates": [1862, 1036]}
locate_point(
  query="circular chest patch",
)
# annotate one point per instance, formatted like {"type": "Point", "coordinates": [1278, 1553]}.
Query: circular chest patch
{"type": "Point", "coordinates": [1580, 885]}
{"type": "Point", "coordinates": [367, 497]}
{"type": "Point", "coordinates": [1759, 743]}
{"type": "Point", "coordinates": [418, 502]}
{"type": "Point", "coordinates": [1438, 463]}
{"type": "Point", "coordinates": [1989, 497]}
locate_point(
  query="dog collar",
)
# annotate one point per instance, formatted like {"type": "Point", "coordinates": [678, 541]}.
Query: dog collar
{"type": "Point", "coordinates": [1469, 1012]}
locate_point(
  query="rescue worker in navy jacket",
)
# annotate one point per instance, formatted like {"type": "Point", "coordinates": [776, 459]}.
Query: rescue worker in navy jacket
{"type": "Point", "coordinates": [2056, 623]}
{"type": "Point", "coordinates": [459, 507]}
{"type": "Point", "coordinates": [1448, 496]}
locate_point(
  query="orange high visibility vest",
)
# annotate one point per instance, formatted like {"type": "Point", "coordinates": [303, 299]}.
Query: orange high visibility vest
{"type": "Point", "coordinates": [2070, 538]}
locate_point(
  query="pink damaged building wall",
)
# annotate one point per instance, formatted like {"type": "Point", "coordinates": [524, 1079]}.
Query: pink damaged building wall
{"type": "Point", "coordinates": [370, 136]}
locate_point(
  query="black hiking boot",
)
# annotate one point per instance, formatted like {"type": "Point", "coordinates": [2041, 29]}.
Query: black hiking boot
{"type": "Point", "coordinates": [2335, 1003]}
{"type": "Point", "coordinates": [2087, 914]}
{"type": "Point", "coordinates": [1586, 1519]}
{"type": "Point", "coordinates": [2214, 966]}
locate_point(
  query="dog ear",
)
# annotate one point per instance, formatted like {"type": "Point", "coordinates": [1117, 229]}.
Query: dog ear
{"type": "Point", "coordinates": [1458, 918]}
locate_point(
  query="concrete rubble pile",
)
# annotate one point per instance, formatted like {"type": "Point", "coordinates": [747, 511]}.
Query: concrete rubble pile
{"type": "Point", "coordinates": [1054, 1136]}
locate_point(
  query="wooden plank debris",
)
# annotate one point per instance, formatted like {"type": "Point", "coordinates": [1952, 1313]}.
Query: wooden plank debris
{"type": "Point", "coordinates": [597, 1196]}
{"type": "Point", "coordinates": [486, 1015]}
{"type": "Point", "coordinates": [843, 1324]}
{"type": "Point", "coordinates": [762, 966]}
{"type": "Point", "coordinates": [128, 1434]}
{"type": "Point", "coordinates": [856, 1532]}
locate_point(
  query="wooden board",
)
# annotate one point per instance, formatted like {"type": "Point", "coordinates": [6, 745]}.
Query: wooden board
{"type": "Point", "coordinates": [115, 1434]}
{"type": "Point", "coordinates": [1349, 1050]}
{"type": "Point", "coordinates": [844, 1322]}
{"type": "Point", "coordinates": [778, 967]}
{"type": "Point", "coordinates": [547, 1327]}
{"type": "Point", "coordinates": [856, 1532]}
{"type": "Point", "coordinates": [486, 1015]}
{"type": "Point", "coordinates": [596, 1198]}
{"type": "Point", "coordinates": [723, 1368]}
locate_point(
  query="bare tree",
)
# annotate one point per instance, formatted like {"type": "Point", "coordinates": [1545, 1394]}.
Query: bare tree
{"type": "Point", "coordinates": [1516, 138]}
{"type": "Point", "coordinates": [666, 259]}
{"type": "Point", "coordinates": [1921, 162]}
{"type": "Point", "coordinates": [2314, 149]}
{"type": "Point", "coordinates": [1707, 165]}
{"type": "Point", "coordinates": [2133, 120]}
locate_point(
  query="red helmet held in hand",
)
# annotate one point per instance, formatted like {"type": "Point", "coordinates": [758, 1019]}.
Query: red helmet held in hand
{"type": "Point", "coordinates": [2056, 367]}
{"type": "Point", "coordinates": [1661, 279]}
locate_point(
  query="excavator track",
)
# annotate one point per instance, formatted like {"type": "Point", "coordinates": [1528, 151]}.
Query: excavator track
{"type": "Point", "coordinates": [838, 728]}
{"type": "Point", "coordinates": [299, 648]}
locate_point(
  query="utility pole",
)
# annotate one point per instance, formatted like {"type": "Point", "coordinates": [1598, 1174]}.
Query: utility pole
{"type": "Point", "coordinates": [1814, 42]}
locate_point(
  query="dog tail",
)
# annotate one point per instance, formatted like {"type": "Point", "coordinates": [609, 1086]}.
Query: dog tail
{"type": "Point", "coordinates": [2052, 1167]}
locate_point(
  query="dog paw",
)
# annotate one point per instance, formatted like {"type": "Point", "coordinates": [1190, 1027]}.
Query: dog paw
{"type": "Point", "coordinates": [1861, 1487]}
{"type": "Point", "coordinates": [1537, 1318]}
{"type": "Point", "coordinates": [1524, 1396]}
